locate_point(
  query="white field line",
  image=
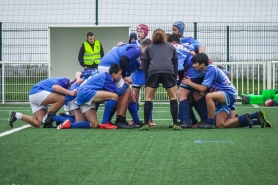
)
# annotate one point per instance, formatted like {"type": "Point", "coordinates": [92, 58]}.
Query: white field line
{"type": "Point", "coordinates": [14, 130]}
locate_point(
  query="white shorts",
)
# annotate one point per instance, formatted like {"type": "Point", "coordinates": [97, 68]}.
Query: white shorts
{"type": "Point", "coordinates": [119, 84]}
{"type": "Point", "coordinates": [36, 100]}
{"type": "Point", "coordinates": [87, 106]}
{"type": "Point", "coordinates": [72, 105]}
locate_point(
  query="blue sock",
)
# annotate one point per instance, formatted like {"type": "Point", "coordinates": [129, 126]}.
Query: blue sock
{"type": "Point", "coordinates": [68, 116]}
{"type": "Point", "coordinates": [211, 121]}
{"type": "Point", "coordinates": [132, 108]}
{"type": "Point", "coordinates": [201, 106]}
{"type": "Point", "coordinates": [254, 115]}
{"type": "Point", "coordinates": [151, 115]}
{"type": "Point", "coordinates": [242, 121]}
{"type": "Point", "coordinates": [184, 107]}
{"type": "Point", "coordinates": [179, 114]}
{"type": "Point", "coordinates": [62, 118]}
{"type": "Point", "coordinates": [109, 106]}
{"type": "Point", "coordinates": [82, 124]}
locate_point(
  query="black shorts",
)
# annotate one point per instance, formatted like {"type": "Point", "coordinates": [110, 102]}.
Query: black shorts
{"type": "Point", "coordinates": [166, 79]}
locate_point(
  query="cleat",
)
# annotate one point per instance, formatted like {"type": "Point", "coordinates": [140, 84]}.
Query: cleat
{"type": "Point", "coordinates": [185, 125]}
{"type": "Point", "coordinates": [12, 118]}
{"type": "Point", "coordinates": [201, 124]}
{"type": "Point", "coordinates": [122, 125]}
{"type": "Point", "coordinates": [134, 125]}
{"type": "Point", "coordinates": [144, 127]}
{"type": "Point", "coordinates": [207, 126]}
{"type": "Point", "coordinates": [48, 121]}
{"type": "Point", "coordinates": [248, 119]}
{"type": "Point", "coordinates": [262, 119]}
{"type": "Point", "coordinates": [176, 127]}
{"type": "Point", "coordinates": [107, 125]}
{"type": "Point", "coordinates": [151, 123]}
{"type": "Point", "coordinates": [65, 125]}
{"type": "Point", "coordinates": [171, 126]}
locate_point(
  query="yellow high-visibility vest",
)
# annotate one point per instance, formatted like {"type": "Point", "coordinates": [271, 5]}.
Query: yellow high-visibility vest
{"type": "Point", "coordinates": [92, 57]}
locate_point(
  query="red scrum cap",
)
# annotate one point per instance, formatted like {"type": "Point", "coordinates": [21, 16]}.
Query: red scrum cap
{"type": "Point", "coordinates": [143, 27]}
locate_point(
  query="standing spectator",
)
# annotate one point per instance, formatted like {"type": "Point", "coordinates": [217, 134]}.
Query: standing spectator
{"type": "Point", "coordinates": [90, 53]}
{"type": "Point", "coordinates": [160, 65]}
{"type": "Point", "coordinates": [132, 37]}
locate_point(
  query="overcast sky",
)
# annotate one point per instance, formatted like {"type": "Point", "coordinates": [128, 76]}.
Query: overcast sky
{"type": "Point", "coordinates": [139, 10]}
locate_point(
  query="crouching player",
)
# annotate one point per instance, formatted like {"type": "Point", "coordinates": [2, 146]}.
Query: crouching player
{"type": "Point", "coordinates": [221, 98]}
{"type": "Point", "coordinates": [48, 91]}
{"type": "Point", "coordinates": [98, 88]}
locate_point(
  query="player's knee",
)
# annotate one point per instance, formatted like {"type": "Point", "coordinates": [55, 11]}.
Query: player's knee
{"type": "Point", "coordinates": [114, 96]}
{"type": "Point", "coordinates": [209, 97]}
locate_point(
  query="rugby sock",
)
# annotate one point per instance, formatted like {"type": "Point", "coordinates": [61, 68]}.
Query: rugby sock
{"type": "Point", "coordinates": [18, 115]}
{"type": "Point", "coordinates": [151, 115]}
{"type": "Point", "coordinates": [112, 114]}
{"type": "Point", "coordinates": [138, 106]}
{"type": "Point", "coordinates": [184, 108]}
{"type": "Point", "coordinates": [201, 106]}
{"type": "Point", "coordinates": [68, 116]}
{"type": "Point", "coordinates": [61, 119]}
{"type": "Point", "coordinates": [147, 111]}
{"type": "Point", "coordinates": [81, 124]}
{"type": "Point", "coordinates": [132, 108]}
{"type": "Point", "coordinates": [109, 106]}
{"type": "Point", "coordinates": [211, 121]}
{"type": "Point", "coordinates": [174, 110]}
{"type": "Point", "coordinates": [119, 119]}
{"type": "Point", "coordinates": [123, 119]}
{"type": "Point", "coordinates": [254, 115]}
{"type": "Point", "coordinates": [242, 122]}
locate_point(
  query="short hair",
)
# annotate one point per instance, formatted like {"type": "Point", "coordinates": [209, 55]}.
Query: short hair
{"type": "Point", "coordinates": [200, 58]}
{"type": "Point", "coordinates": [159, 36]}
{"type": "Point", "coordinates": [115, 68]}
{"type": "Point", "coordinates": [90, 34]}
{"type": "Point", "coordinates": [173, 38]}
{"type": "Point", "coordinates": [146, 42]}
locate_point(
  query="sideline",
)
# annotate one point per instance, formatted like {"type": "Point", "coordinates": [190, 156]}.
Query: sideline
{"type": "Point", "coordinates": [14, 130]}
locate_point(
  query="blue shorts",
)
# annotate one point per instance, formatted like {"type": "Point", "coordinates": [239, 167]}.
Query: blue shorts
{"type": "Point", "coordinates": [230, 104]}
{"type": "Point", "coordinates": [138, 78]}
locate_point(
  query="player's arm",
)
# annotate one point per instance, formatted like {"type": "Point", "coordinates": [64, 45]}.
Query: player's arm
{"type": "Point", "coordinates": [175, 62]}
{"type": "Point", "coordinates": [62, 90]}
{"type": "Point", "coordinates": [81, 54]}
{"type": "Point", "coordinates": [146, 62]}
{"type": "Point", "coordinates": [122, 90]}
{"type": "Point", "coordinates": [62, 86]}
{"type": "Point", "coordinates": [78, 78]}
{"type": "Point", "coordinates": [198, 87]}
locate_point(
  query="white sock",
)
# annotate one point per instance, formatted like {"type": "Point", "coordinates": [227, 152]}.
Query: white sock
{"type": "Point", "coordinates": [18, 115]}
{"type": "Point", "coordinates": [44, 118]}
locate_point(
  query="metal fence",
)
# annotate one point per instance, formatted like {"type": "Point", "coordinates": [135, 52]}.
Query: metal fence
{"type": "Point", "coordinates": [247, 77]}
{"type": "Point", "coordinates": [225, 42]}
